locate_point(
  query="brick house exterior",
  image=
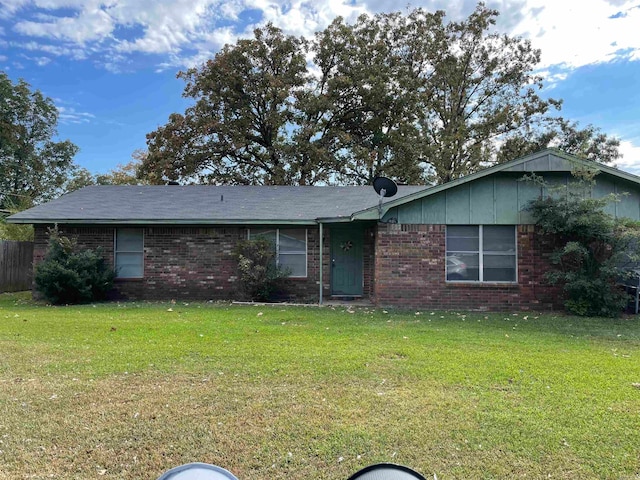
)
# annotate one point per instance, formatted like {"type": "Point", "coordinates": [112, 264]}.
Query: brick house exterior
{"type": "Point", "coordinates": [197, 263]}
{"type": "Point", "coordinates": [410, 272]}
{"type": "Point", "coordinates": [406, 261]}
{"type": "Point", "coordinates": [466, 245]}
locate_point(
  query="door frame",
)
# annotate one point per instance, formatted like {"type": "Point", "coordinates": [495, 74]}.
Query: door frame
{"type": "Point", "coordinates": [359, 230]}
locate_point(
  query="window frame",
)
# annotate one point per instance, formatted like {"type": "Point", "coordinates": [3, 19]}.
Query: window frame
{"type": "Point", "coordinates": [117, 251]}
{"type": "Point", "coordinates": [277, 245]}
{"type": "Point", "coordinates": [481, 253]}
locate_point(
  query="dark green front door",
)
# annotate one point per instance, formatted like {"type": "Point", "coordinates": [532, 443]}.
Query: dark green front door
{"type": "Point", "coordinates": [346, 261]}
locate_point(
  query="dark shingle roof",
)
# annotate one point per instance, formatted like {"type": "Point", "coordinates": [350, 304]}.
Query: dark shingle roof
{"type": "Point", "coordinates": [205, 204]}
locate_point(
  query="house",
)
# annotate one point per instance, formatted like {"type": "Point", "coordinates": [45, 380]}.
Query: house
{"type": "Point", "coordinates": [466, 244]}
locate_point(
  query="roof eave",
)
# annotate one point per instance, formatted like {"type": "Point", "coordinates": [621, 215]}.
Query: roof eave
{"type": "Point", "coordinates": [80, 221]}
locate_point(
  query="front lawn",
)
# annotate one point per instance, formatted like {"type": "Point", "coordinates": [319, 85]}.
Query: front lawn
{"type": "Point", "coordinates": [127, 391]}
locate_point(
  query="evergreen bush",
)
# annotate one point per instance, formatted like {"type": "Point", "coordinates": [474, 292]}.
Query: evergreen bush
{"type": "Point", "coordinates": [68, 275]}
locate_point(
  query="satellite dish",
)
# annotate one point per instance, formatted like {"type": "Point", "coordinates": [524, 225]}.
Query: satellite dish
{"type": "Point", "coordinates": [386, 471]}
{"type": "Point", "coordinates": [385, 187]}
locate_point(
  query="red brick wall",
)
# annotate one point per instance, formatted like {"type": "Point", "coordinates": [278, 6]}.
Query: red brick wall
{"type": "Point", "coordinates": [410, 273]}
{"type": "Point", "coordinates": [368, 261]}
{"type": "Point", "coordinates": [188, 262]}
{"type": "Point", "coordinates": [404, 266]}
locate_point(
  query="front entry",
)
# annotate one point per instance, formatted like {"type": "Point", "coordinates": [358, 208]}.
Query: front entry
{"type": "Point", "coordinates": [346, 260]}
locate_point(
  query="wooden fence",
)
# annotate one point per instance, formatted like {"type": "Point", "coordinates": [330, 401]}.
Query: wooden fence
{"type": "Point", "coordinates": [16, 266]}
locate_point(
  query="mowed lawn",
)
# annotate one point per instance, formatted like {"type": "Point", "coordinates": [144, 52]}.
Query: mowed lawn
{"type": "Point", "coordinates": [127, 391]}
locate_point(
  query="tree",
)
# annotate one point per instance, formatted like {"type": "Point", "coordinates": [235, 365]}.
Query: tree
{"type": "Point", "coordinates": [589, 143]}
{"type": "Point", "coordinates": [371, 97]}
{"type": "Point", "coordinates": [592, 247]}
{"type": "Point", "coordinates": [127, 174]}
{"type": "Point", "coordinates": [413, 97]}
{"type": "Point", "coordinates": [14, 231]}
{"type": "Point", "coordinates": [32, 165]}
{"type": "Point", "coordinates": [237, 130]}
{"type": "Point", "coordinates": [480, 87]}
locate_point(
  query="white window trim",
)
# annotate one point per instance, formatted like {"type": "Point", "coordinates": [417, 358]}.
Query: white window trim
{"type": "Point", "coordinates": [116, 252]}
{"type": "Point", "coordinates": [481, 254]}
{"type": "Point", "coordinates": [306, 248]}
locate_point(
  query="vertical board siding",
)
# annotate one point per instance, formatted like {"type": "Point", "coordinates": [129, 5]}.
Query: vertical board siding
{"type": "Point", "coordinates": [16, 265]}
{"type": "Point", "coordinates": [433, 209]}
{"type": "Point", "coordinates": [506, 190]}
{"type": "Point", "coordinates": [502, 199]}
{"type": "Point", "coordinates": [458, 205]}
{"type": "Point", "coordinates": [482, 201]}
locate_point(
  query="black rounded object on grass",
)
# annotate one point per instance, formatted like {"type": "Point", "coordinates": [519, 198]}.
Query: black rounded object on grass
{"type": "Point", "coordinates": [386, 471]}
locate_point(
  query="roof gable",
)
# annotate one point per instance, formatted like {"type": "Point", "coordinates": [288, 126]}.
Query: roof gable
{"type": "Point", "coordinates": [548, 160]}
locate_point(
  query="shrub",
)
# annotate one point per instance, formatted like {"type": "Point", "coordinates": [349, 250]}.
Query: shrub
{"type": "Point", "coordinates": [593, 248]}
{"type": "Point", "coordinates": [260, 277]}
{"type": "Point", "coordinates": [68, 276]}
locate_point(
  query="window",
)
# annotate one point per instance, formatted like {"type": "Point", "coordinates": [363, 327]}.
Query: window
{"type": "Point", "coordinates": [290, 245]}
{"type": "Point", "coordinates": [129, 253]}
{"type": "Point", "coordinates": [481, 253]}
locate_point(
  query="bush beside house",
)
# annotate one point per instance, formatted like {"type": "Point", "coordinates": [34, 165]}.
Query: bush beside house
{"type": "Point", "coordinates": [68, 275]}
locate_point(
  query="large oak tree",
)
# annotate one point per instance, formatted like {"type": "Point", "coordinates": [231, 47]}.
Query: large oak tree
{"type": "Point", "coordinates": [236, 132]}
{"type": "Point", "coordinates": [411, 96]}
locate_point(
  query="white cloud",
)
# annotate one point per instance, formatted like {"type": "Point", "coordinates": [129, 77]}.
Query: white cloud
{"type": "Point", "coordinates": [91, 24]}
{"type": "Point", "coordinates": [570, 33]}
{"type": "Point", "coordinates": [574, 34]}
{"type": "Point", "coordinates": [39, 61]}
{"type": "Point", "coordinates": [8, 8]}
{"type": "Point", "coordinates": [70, 115]}
{"type": "Point", "coordinates": [57, 50]}
{"type": "Point", "coordinates": [303, 18]}
{"type": "Point", "coordinates": [630, 160]}
{"type": "Point", "coordinates": [551, 80]}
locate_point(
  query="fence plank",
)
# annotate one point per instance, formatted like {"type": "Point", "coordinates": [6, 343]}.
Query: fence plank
{"type": "Point", "coordinates": [16, 265]}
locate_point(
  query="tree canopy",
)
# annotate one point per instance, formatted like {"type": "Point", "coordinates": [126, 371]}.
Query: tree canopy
{"type": "Point", "coordinates": [33, 166]}
{"type": "Point", "coordinates": [411, 96]}
{"type": "Point", "coordinates": [127, 174]}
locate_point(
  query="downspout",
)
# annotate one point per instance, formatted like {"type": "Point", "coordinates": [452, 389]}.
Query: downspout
{"type": "Point", "coordinates": [321, 248]}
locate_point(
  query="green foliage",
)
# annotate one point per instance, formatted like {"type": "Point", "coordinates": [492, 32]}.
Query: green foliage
{"type": "Point", "coordinates": [126, 174]}
{"type": "Point", "coordinates": [593, 248]}
{"type": "Point", "coordinates": [14, 231]}
{"type": "Point", "coordinates": [32, 165]}
{"type": "Point", "coordinates": [589, 143]}
{"type": "Point", "coordinates": [237, 130]}
{"type": "Point", "coordinates": [68, 275]}
{"type": "Point", "coordinates": [409, 96]}
{"type": "Point", "coordinates": [259, 275]}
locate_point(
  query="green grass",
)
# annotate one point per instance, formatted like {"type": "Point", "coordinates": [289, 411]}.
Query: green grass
{"type": "Point", "coordinates": [130, 390]}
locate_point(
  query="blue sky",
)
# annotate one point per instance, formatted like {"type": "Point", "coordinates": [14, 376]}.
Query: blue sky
{"type": "Point", "coordinates": [110, 65]}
